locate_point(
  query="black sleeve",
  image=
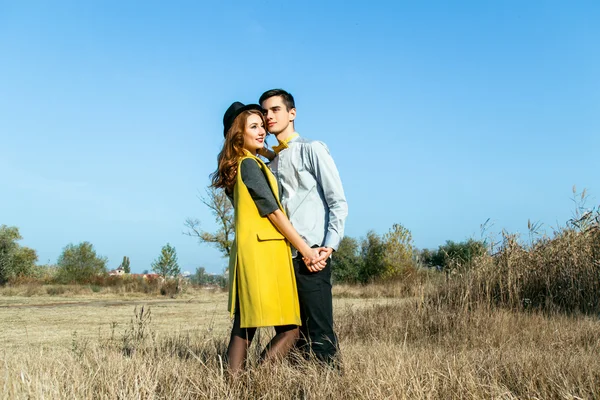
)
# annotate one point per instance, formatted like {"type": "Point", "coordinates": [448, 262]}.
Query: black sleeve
{"type": "Point", "coordinates": [259, 188]}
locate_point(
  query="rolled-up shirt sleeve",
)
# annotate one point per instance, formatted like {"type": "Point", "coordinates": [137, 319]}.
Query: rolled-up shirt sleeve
{"type": "Point", "coordinates": [328, 177]}
{"type": "Point", "coordinates": [259, 188]}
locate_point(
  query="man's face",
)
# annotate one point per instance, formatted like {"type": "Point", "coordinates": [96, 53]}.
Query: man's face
{"type": "Point", "coordinates": [277, 115]}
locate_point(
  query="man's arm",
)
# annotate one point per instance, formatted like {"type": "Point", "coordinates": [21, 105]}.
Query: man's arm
{"type": "Point", "coordinates": [267, 153]}
{"type": "Point", "coordinates": [328, 177]}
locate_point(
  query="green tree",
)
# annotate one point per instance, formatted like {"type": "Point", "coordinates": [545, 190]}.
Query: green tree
{"type": "Point", "coordinates": [222, 280]}
{"type": "Point", "coordinates": [80, 263]}
{"type": "Point", "coordinates": [346, 261]}
{"type": "Point", "coordinates": [125, 265]}
{"type": "Point", "coordinates": [431, 258]}
{"type": "Point", "coordinates": [222, 209]}
{"type": "Point", "coordinates": [462, 253]}
{"type": "Point", "coordinates": [453, 254]}
{"type": "Point", "coordinates": [372, 252]}
{"type": "Point", "coordinates": [166, 264]}
{"type": "Point", "coordinates": [15, 260]}
{"type": "Point", "coordinates": [200, 277]}
{"type": "Point", "coordinates": [398, 250]}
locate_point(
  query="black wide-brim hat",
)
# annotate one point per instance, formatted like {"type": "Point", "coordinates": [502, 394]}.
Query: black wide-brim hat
{"type": "Point", "coordinates": [234, 110]}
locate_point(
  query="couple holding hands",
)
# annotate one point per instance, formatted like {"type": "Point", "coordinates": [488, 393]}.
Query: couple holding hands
{"type": "Point", "coordinates": [289, 218]}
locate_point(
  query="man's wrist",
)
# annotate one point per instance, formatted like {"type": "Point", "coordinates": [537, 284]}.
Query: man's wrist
{"type": "Point", "coordinates": [329, 250]}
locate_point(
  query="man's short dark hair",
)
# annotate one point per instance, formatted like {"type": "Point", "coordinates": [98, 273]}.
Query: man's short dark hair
{"type": "Point", "coordinates": [287, 98]}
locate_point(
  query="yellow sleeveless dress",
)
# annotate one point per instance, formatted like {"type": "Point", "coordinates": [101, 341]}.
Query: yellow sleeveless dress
{"type": "Point", "coordinates": [261, 273]}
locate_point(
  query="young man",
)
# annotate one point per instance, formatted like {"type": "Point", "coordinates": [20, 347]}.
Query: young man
{"type": "Point", "coordinates": [312, 195]}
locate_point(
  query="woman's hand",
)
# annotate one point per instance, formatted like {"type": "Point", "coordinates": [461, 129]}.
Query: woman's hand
{"type": "Point", "coordinates": [315, 259]}
{"type": "Point", "coordinates": [266, 153]}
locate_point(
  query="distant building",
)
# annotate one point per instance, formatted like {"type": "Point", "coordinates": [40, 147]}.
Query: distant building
{"type": "Point", "coordinates": [118, 271]}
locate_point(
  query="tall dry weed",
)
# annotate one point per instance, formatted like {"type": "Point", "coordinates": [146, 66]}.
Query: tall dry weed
{"type": "Point", "coordinates": [557, 274]}
{"type": "Point", "coordinates": [409, 282]}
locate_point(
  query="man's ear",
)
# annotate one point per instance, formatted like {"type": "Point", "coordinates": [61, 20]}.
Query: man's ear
{"type": "Point", "coordinates": [292, 114]}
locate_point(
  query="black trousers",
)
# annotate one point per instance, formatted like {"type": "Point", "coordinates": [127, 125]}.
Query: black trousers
{"type": "Point", "coordinates": [316, 311]}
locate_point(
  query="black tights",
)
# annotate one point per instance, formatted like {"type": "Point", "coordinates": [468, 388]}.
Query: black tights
{"type": "Point", "coordinates": [241, 338]}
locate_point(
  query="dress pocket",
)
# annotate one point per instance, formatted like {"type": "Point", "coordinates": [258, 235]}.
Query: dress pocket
{"type": "Point", "coordinates": [269, 235]}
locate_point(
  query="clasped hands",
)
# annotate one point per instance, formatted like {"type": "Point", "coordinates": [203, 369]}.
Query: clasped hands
{"type": "Point", "coordinates": [317, 260]}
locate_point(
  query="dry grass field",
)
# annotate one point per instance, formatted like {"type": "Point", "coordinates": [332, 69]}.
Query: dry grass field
{"type": "Point", "coordinates": [81, 344]}
{"type": "Point", "coordinates": [49, 321]}
{"type": "Point", "coordinates": [53, 321]}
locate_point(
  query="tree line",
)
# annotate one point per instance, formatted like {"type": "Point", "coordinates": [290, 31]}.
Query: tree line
{"type": "Point", "coordinates": [373, 257]}
{"type": "Point", "coordinates": [77, 263]}
{"type": "Point", "coordinates": [362, 260]}
{"type": "Point", "coordinates": [379, 257]}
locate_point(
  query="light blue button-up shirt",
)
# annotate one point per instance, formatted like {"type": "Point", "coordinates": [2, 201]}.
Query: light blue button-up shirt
{"type": "Point", "coordinates": [311, 192]}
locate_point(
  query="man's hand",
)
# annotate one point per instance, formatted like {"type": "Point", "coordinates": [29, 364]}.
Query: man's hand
{"type": "Point", "coordinates": [319, 263]}
{"type": "Point", "coordinates": [313, 261]}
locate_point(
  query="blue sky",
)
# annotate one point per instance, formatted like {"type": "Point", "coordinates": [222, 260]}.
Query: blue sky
{"type": "Point", "coordinates": [439, 115]}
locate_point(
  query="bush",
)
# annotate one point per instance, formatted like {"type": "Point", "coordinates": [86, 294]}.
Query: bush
{"type": "Point", "coordinates": [55, 290]}
{"type": "Point", "coordinates": [410, 283]}
{"type": "Point", "coordinates": [398, 251]}
{"type": "Point", "coordinates": [170, 287]}
{"type": "Point", "coordinates": [95, 288]}
{"type": "Point", "coordinates": [452, 255]}
{"type": "Point", "coordinates": [80, 264]}
{"type": "Point", "coordinates": [376, 257]}
{"type": "Point", "coordinates": [373, 255]}
{"type": "Point", "coordinates": [127, 283]}
{"type": "Point", "coordinates": [15, 260]}
{"type": "Point", "coordinates": [346, 261]}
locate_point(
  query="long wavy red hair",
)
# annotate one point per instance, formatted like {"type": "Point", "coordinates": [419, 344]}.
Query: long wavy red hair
{"type": "Point", "coordinates": [233, 150]}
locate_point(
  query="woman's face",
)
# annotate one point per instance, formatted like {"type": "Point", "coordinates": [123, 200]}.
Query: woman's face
{"type": "Point", "coordinates": [254, 133]}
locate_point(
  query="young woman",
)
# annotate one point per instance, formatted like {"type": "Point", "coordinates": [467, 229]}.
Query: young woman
{"type": "Point", "coordinates": [262, 285]}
